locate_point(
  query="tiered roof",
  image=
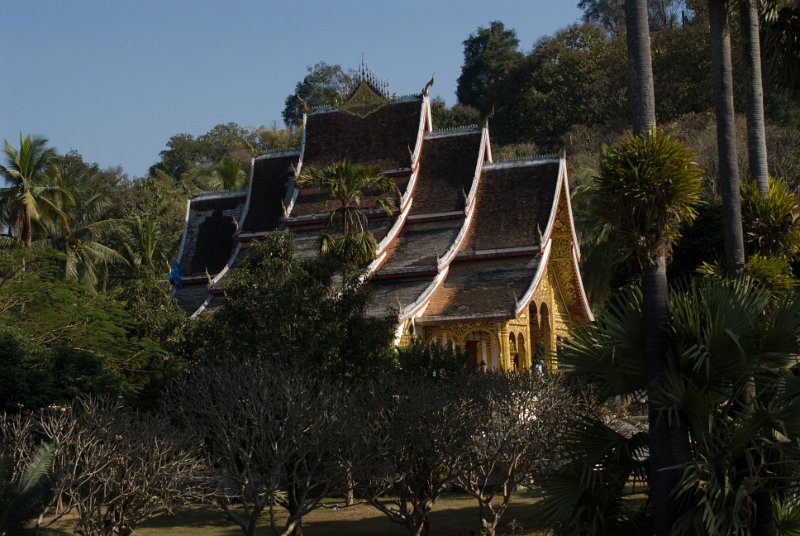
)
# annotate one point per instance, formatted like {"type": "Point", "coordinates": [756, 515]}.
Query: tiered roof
{"type": "Point", "coordinates": [469, 239]}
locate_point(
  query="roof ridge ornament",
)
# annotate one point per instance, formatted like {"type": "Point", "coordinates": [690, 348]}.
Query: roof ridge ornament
{"type": "Point", "coordinates": [368, 95]}
{"type": "Point", "coordinates": [428, 85]}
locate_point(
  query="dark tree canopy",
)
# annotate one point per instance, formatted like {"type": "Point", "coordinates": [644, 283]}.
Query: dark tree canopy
{"type": "Point", "coordinates": [489, 55]}
{"type": "Point", "coordinates": [322, 86]}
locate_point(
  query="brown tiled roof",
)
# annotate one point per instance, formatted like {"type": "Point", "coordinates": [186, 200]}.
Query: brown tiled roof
{"type": "Point", "coordinates": [312, 200]}
{"type": "Point", "coordinates": [385, 137]}
{"type": "Point", "coordinates": [210, 235]}
{"type": "Point", "coordinates": [191, 297]}
{"type": "Point", "coordinates": [482, 288]}
{"type": "Point", "coordinates": [387, 294]}
{"type": "Point", "coordinates": [419, 244]}
{"type": "Point", "coordinates": [271, 178]}
{"type": "Point", "coordinates": [306, 240]}
{"type": "Point", "coordinates": [511, 202]}
{"type": "Point", "coordinates": [447, 167]}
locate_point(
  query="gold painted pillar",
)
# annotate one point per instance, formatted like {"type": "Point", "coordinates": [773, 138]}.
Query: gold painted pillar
{"type": "Point", "coordinates": [505, 356]}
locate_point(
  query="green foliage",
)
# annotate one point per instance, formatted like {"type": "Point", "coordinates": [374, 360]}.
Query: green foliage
{"type": "Point", "coordinates": [185, 152]}
{"type": "Point", "coordinates": [588, 495]}
{"type": "Point", "coordinates": [346, 184]}
{"type": "Point", "coordinates": [457, 116]}
{"type": "Point", "coordinates": [29, 198]}
{"type": "Point", "coordinates": [322, 86]}
{"type": "Point", "coordinates": [541, 96]}
{"type": "Point", "coordinates": [645, 189]}
{"type": "Point", "coordinates": [78, 328]}
{"type": "Point", "coordinates": [433, 360]}
{"type": "Point", "coordinates": [286, 310]}
{"type": "Point", "coordinates": [489, 55]}
{"type": "Point", "coordinates": [771, 225]}
{"type": "Point", "coordinates": [731, 376]}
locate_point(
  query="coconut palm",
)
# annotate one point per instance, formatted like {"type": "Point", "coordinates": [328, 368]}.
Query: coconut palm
{"type": "Point", "coordinates": [732, 234]}
{"type": "Point", "coordinates": [227, 174]}
{"type": "Point", "coordinates": [28, 199]}
{"type": "Point", "coordinates": [646, 188]}
{"type": "Point", "coordinates": [142, 245]}
{"type": "Point", "coordinates": [346, 184]}
{"type": "Point", "coordinates": [84, 231]}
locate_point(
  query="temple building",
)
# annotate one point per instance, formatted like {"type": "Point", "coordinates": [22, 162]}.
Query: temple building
{"type": "Point", "coordinates": [477, 254]}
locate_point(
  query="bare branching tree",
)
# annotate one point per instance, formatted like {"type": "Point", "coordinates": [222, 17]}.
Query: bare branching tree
{"type": "Point", "coordinates": [413, 435]}
{"type": "Point", "coordinates": [268, 432]}
{"type": "Point", "coordinates": [114, 467]}
{"type": "Point", "coordinates": [518, 421]}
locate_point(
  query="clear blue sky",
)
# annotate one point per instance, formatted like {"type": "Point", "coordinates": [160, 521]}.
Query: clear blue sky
{"type": "Point", "coordinates": [115, 79]}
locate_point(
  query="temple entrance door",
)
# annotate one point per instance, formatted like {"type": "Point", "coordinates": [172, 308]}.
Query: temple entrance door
{"type": "Point", "coordinates": [482, 350]}
{"type": "Point", "coordinates": [472, 348]}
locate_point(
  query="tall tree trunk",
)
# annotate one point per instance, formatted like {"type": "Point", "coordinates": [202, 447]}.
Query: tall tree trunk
{"type": "Point", "coordinates": [732, 236]}
{"type": "Point", "coordinates": [756, 134]}
{"type": "Point", "coordinates": [640, 68]}
{"type": "Point", "coordinates": [668, 441]}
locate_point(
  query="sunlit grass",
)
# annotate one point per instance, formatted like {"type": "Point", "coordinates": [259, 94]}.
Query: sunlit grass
{"type": "Point", "coordinates": [453, 515]}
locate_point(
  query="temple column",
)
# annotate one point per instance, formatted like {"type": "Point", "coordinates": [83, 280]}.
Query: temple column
{"type": "Point", "coordinates": [505, 351]}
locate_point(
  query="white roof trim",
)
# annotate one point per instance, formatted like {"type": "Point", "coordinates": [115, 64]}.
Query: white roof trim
{"type": "Point", "coordinates": [395, 230]}
{"type": "Point", "coordinates": [422, 300]}
{"type": "Point", "coordinates": [202, 307]}
{"type": "Point", "coordinates": [469, 204]}
{"type": "Point", "coordinates": [219, 195]}
{"type": "Point", "coordinates": [537, 278]}
{"type": "Point", "coordinates": [548, 230]}
{"type": "Point", "coordinates": [452, 132]}
{"type": "Point", "coordinates": [424, 120]}
{"type": "Point", "coordinates": [217, 278]}
{"type": "Point", "coordinates": [183, 239]}
{"type": "Point", "coordinates": [524, 162]}
{"type": "Point", "coordinates": [563, 172]}
{"type": "Point", "coordinates": [246, 208]}
{"type": "Point", "coordinates": [278, 153]}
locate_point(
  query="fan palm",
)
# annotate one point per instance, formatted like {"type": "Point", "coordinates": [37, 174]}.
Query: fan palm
{"type": "Point", "coordinates": [727, 338]}
{"type": "Point", "coordinates": [29, 198]}
{"type": "Point", "coordinates": [645, 189]}
{"type": "Point", "coordinates": [346, 184]}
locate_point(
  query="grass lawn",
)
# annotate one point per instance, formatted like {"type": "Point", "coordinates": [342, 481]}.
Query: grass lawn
{"type": "Point", "coordinates": [453, 515]}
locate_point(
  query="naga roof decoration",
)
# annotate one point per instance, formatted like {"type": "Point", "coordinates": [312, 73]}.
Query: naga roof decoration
{"type": "Point", "coordinates": [469, 240]}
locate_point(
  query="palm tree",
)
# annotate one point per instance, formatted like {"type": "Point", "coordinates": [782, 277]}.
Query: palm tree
{"type": "Point", "coordinates": [346, 184]}
{"type": "Point", "coordinates": [732, 234]}
{"type": "Point", "coordinates": [646, 188]}
{"type": "Point", "coordinates": [227, 174]}
{"type": "Point", "coordinates": [143, 247]}
{"type": "Point", "coordinates": [28, 198]}
{"type": "Point", "coordinates": [725, 337]}
{"type": "Point", "coordinates": [84, 230]}
{"type": "Point", "coordinates": [640, 69]}
{"type": "Point", "coordinates": [756, 133]}
{"type": "Point", "coordinates": [24, 496]}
